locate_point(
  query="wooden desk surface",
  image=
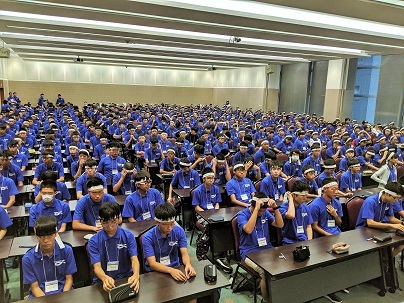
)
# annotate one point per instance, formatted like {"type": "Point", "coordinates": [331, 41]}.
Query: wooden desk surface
{"type": "Point", "coordinates": [137, 228]}
{"type": "Point", "coordinates": [5, 246]}
{"type": "Point", "coordinates": [227, 213]}
{"type": "Point", "coordinates": [269, 260]}
{"type": "Point", "coordinates": [186, 192]}
{"type": "Point", "coordinates": [168, 289]}
{"type": "Point", "coordinates": [28, 173]}
{"type": "Point", "coordinates": [16, 211]}
{"type": "Point", "coordinates": [366, 192]}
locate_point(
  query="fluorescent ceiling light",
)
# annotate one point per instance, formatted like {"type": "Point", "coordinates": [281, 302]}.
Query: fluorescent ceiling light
{"type": "Point", "coordinates": [270, 12]}
{"type": "Point", "coordinates": [149, 47]}
{"type": "Point", "coordinates": [392, 2]}
{"type": "Point", "coordinates": [147, 30]}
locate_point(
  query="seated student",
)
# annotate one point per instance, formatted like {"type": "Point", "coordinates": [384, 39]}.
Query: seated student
{"type": "Point", "coordinates": [86, 213]}
{"type": "Point", "coordinates": [10, 170]}
{"type": "Point", "coordinates": [62, 193]}
{"type": "Point", "coordinates": [198, 158]}
{"type": "Point", "coordinates": [112, 164]}
{"type": "Point", "coordinates": [326, 210]}
{"type": "Point", "coordinates": [253, 226]}
{"type": "Point", "coordinates": [293, 167]}
{"type": "Point", "coordinates": [388, 172]}
{"type": "Point", "coordinates": [301, 143]}
{"type": "Point", "coordinates": [273, 186]}
{"type": "Point", "coordinates": [49, 205]}
{"type": "Point", "coordinates": [8, 190]}
{"type": "Point", "coordinates": [162, 255]}
{"type": "Point", "coordinates": [221, 144]}
{"type": "Point", "coordinates": [351, 180]}
{"type": "Point", "coordinates": [265, 166]}
{"type": "Point", "coordinates": [242, 153]}
{"type": "Point", "coordinates": [296, 215]}
{"type": "Point", "coordinates": [329, 166]}
{"type": "Point", "coordinates": [366, 161]}
{"type": "Point", "coordinates": [49, 145]}
{"type": "Point", "coordinates": [240, 189]}
{"type": "Point", "coordinates": [180, 150]}
{"type": "Point", "coordinates": [309, 178]}
{"type": "Point", "coordinates": [48, 164]}
{"type": "Point", "coordinates": [77, 168]}
{"type": "Point", "coordinates": [259, 156]}
{"type": "Point", "coordinates": [73, 155]}
{"type": "Point", "coordinates": [49, 266]}
{"type": "Point", "coordinates": [184, 178]}
{"type": "Point", "coordinates": [335, 150]}
{"type": "Point", "coordinates": [349, 155]}
{"type": "Point", "coordinates": [314, 159]}
{"type": "Point", "coordinates": [5, 222]}
{"type": "Point", "coordinates": [140, 205]}
{"type": "Point", "coordinates": [99, 149]}
{"type": "Point", "coordinates": [113, 250]}
{"type": "Point", "coordinates": [154, 153]}
{"type": "Point", "coordinates": [170, 163]}
{"type": "Point", "coordinates": [18, 159]}
{"type": "Point", "coordinates": [123, 182]}
{"type": "Point", "coordinates": [220, 168]}
{"type": "Point", "coordinates": [377, 211]}
{"type": "Point", "coordinates": [380, 158]}
{"type": "Point", "coordinates": [284, 146]}
{"type": "Point", "coordinates": [207, 195]}
{"type": "Point", "coordinates": [253, 172]}
{"type": "Point", "coordinates": [90, 171]}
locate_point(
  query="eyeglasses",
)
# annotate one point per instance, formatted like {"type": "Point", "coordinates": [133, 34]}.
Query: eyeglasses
{"type": "Point", "coordinates": [111, 222]}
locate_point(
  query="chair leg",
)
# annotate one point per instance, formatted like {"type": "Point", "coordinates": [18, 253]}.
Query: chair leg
{"type": "Point", "coordinates": [235, 276]}
{"type": "Point", "coordinates": [5, 270]}
{"type": "Point", "coordinates": [192, 235]}
{"type": "Point", "coordinates": [402, 260]}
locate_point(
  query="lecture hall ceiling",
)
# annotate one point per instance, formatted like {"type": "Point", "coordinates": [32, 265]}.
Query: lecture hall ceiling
{"type": "Point", "coordinates": [185, 34]}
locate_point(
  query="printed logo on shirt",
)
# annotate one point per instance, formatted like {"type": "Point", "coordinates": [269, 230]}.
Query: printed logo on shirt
{"type": "Point", "coordinates": [173, 243]}
{"type": "Point", "coordinates": [304, 215]}
{"type": "Point", "coordinates": [263, 220]}
{"type": "Point", "coordinates": [152, 202]}
{"type": "Point", "coordinates": [120, 164]}
{"type": "Point", "coordinates": [191, 179]}
{"type": "Point", "coordinates": [57, 213]}
{"type": "Point", "coordinates": [4, 187]}
{"type": "Point", "coordinates": [247, 185]}
{"type": "Point", "coordinates": [213, 196]}
{"type": "Point", "coordinates": [279, 186]}
{"type": "Point", "coordinates": [11, 174]}
{"type": "Point", "coordinates": [60, 262]}
{"type": "Point", "coordinates": [18, 160]}
{"type": "Point", "coordinates": [120, 246]}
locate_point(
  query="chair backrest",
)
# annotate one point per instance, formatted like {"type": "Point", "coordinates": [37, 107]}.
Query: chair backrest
{"type": "Point", "coordinates": [353, 207]}
{"type": "Point", "coordinates": [282, 157]}
{"type": "Point", "coordinates": [236, 238]}
{"type": "Point", "coordinates": [172, 141]}
{"type": "Point", "coordinates": [323, 154]}
{"type": "Point", "coordinates": [339, 174]}
{"type": "Point", "coordinates": [400, 171]}
{"type": "Point", "coordinates": [231, 171]}
{"type": "Point", "coordinates": [337, 161]}
{"type": "Point", "coordinates": [208, 159]}
{"type": "Point", "coordinates": [257, 185]}
{"type": "Point", "coordinates": [290, 182]}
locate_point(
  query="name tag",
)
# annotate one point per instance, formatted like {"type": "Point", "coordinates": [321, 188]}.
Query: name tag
{"type": "Point", "coordinates": [244, 197]}
{"type": "Point", "coordinates": [262, 242]}
{"type": "Point", "coordinates": [165, 260]}
{"type": "Point", "coordinates": [146, 215]}
{"type": "Point", "coordinates": [127, 192]}
{"type": "Point", "coordinates": [209, 206]}
{"type": "Point", "coordinates": [300, 230]}
{"type": "Point", "coordinates": [185, 186]}
{"type": "Point", "coordinates": [112, 266]}
{"type": "Point", "coordinates": [276, 197]}
{"type": "Point", "coordinates": [331, 223]}
{"type": "Point", "coordinates": [51, 286]}
{"type": "Point", "coordinates": [114, 171]}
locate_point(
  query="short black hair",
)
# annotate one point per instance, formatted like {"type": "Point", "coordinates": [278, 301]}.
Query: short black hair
{"type": "Point", "coordinates": [129, 166]}
{"type": "Point", "coordinates": [395, 187]}
{"type": "Point", "coordinates": [329, 161]}
{"type": "Point", "coordinates": [109, 210]}
{"type": "Point", "coordinates": [353, 161]}
{"type": "Point", "coordinates": [199, 149]}
{"type": "Point", "coordinates": [206, 170]}
{"type": "Point", "coordinates": [90, 163]}
{"type": "Point", "coordinates": [259, 195]}
{"type": "Point", "coordinates": [95, 181]}
{"type": "Point", "coordinates": [49, 175]}
{"type": "Point", "coordinates": [299, 186]}
{"type": "Point", "coordinates": [165, 211]}
{"type": "Point", "coordinates": [45, 226]}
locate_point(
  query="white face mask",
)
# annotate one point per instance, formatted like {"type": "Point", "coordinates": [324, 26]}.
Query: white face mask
{"type": "Point", "coordinates": [295, 158]}
{"type": "Point", "coordinates": [47, 198]}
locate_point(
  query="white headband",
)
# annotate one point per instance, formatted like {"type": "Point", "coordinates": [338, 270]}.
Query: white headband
{"type": "Point", "coordinates": [391, 193]}
{"type": "Point", "coordinates": [208, 175]}
{"type": "Point", "coordinates": [97, 187]}
{"type": "Point", "coordinates": [165, 221]}
{"type": "Point", "coordinates": [220, 161]}
{"type": "Point", "coordinates": [256, 199]}
{"type": "Point", "coordinates": [330, 166]}
{"type": "Point", "coordinates": [185, 164]}
{"type": "Point", "coordinates": [95, 166]}
{"type": "Point", "coordinates": [300, 193]}
{"type": "Point", "coordinates": [265, 141]}
{"type": "Point", "coordinates": [330, 184]}
{"type": "Point", "coordinates": [171, 149]}
{"type": "Point", "coordinates": [316, 149]}
{"type": "Point", "coordinates": [73, 146]}
{"type": "Point", "coordinates": [308, 170]}
{"type": "Point", "coordinates": [390, 156]}
{"type": "Point", "coordinates": [142, 181]}
{"type": "Point", "coordinates": [355, 165]}
{"type": "Point", "coordinates": [237, 166]}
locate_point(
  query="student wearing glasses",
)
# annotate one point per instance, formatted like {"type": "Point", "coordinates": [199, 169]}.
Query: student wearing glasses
{"type": "Point", "coordinates": [86, 213]}
{"type": "Point", "coordinates": [140, 205]}
{"type": "Point", "coordinates": [113, 250]}
{"type": "Point", "coordinates": [49, 266]}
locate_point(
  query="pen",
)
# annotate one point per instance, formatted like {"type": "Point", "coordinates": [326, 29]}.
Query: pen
{"type": "Point", "coordinates": [25, 246]}
{"type": "Point", "coordinates": [283, 256]}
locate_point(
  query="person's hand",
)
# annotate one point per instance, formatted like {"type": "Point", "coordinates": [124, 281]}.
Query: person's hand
{"type": "Point", "coordinates": [178, 275]}
{"type": "Point", "coordinates": [248, 165]}
{"type": "Point", "coordinates": [134, 282]}
{"type": "Point", "coordinates": [348, 194]}
{"type": "Point", "coordinates": [214, 162]}
{"type": "Point", "coordinates": [123, 173]}
{"type": "Point", "coordinates": [289, 196]}
{"type": "Point", "coordinates": [398, 226]}
{"type": "Point", "coordinates": [108, 283]}
{"type": "Point", "coordinates": [272, 203]}
{"type": "Point", "coordinates": [190, 271]}
{"type": "Point", "coordinates": [170, 200]}
{"type": "Point", "coordinates": [331, 210]}
{"type": "Point", "coordinates": [97, 228]}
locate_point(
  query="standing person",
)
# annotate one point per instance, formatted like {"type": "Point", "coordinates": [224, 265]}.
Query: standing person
{"type": "Point", "coordinates": [113, 251]}
{"type": "Point", "coordinates": [49, 266]}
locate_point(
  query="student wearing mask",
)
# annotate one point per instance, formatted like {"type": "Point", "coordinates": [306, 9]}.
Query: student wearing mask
{"type": "Point", "coordinates": [62, 193]}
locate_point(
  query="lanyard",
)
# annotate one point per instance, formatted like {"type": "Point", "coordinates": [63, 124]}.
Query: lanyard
{"type": "Point", "coordinates": [208, 196]}
{"type": "Point", "coordinates": [382, 209]}
{"type": "Point", "coordinates": [117, 249]}
{"type": "Point", "coordinates": [43, 265]}
{"type": "Point", "coordinates": [183, 180]}
{"type": "Point", "coordinates": [158, 242]}
{"type": "Point", "coordinates": [92, 207]}
{"type": "Point", "coordinates": [241, 187]}
{"type": "Point", "coordinates": [147, 201]}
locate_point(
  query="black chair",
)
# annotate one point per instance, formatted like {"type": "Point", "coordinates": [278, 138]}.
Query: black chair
{"type": "Point", "coordinates": [250, 275]}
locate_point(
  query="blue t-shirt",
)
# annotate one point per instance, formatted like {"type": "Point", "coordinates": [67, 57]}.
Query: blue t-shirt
{"type": "Point", "coordinates": [7, 189]}
{"type": "Point", "coordinates": [120, 247]}
{"type": "Point", "coordinates": [373, 208]}
{"type": "Point", "coordinates": [56, 167]}
{"type": "Point", "coordinates": [167, 165]}
{"type": "Point", "coordinates": [127, 186]}
{"type": "Point", "coordinates": [295, 230]}
{"type": "Point", "coordinates": [41, 269]}
{"type": "Point", "coordinates": [5, 220]}
{"type": "Point", "coordinates": [142, 207]}
{"type": "Point", "coordinates": [318, 210]}
{"type": "Point", "coordinates": [14, 173]}
{"type": "Point", "coordinates": [274, 189]}
{"type": "Point", "coordinates": [62, 191]}
{"type": "Point", "coordinates": [249, 242]}
{"type": "Point", "coordinates": [206, 198]}
{"type": "Point", "coordinates": [350, 181]}
{"type": "Point", "coordinates": [87, 211]}
{"type": "Point", "coordinates": [110, 167]}
{"type": "Point", "coordinates": [155, 245]}
{"type": "Point", "coordinates": [188, 180]}
{"type": "Point", "coordinates": [59, 209]}
{"type": "Point", "coordinates": [241, 189]}
{"type": "Point", "coordinates": [82, 181]}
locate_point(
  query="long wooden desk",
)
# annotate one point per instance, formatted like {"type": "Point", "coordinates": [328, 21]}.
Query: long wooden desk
{"type": "Point", "coordinates": [220, 233]}
{"type": "Point", "coordinates": [154, 287]}
{"type": "Point", "coordinates": [323, 272]}
{"type": "Point", "coordinates": [5, 245]}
